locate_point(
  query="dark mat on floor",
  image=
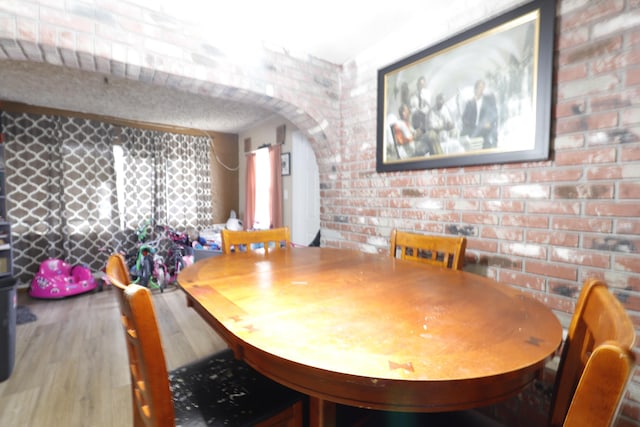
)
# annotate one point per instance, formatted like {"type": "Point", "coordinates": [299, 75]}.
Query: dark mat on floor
{"type": "Point", "coordinates": [24, 315]}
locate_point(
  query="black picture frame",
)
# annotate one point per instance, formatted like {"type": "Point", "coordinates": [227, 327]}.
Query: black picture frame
{"type": "Point", "coordinates": [512, 55]}
{"type": "Point", "coordinates": [285, 164]}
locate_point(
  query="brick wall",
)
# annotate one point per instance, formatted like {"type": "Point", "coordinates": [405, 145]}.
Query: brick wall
{"type": "Point", "coordinates": [540, 226]}
{"type": "Point", "coordinates": [544, 226]}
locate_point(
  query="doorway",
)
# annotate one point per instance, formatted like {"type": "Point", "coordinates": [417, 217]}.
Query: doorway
{"type": "Point", "coordinates": [305, 189]}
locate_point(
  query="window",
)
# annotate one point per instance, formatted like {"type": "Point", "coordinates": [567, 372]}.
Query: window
{"type": "Point", "coordinates": [262, 218]}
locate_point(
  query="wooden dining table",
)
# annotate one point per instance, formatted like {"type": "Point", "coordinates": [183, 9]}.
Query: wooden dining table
{"type": "Point", "coordinates": [372, 331]}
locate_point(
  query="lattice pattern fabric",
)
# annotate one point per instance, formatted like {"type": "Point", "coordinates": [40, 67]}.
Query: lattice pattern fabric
{"type": "Point", "coordinates": [62, 197]}
{"type": "Point", "coordinates": [60, 189]}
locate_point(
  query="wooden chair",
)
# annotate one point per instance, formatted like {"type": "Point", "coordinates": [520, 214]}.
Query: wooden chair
{"type": "Point", "coordinates": [444, 251]}
{"type": "Point", "coordinates": [216, 391]}
{"type": "Point", "coordinates": [595, 367]}
{"type": "Point", "coordinates": [117, 268]}
{"type": "Point", "coordinates": [242, 241]}
{"type": "Point", "coordinates": [597, 360]}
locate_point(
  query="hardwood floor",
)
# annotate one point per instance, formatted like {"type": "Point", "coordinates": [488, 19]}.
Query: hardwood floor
{"type": "Point", "coordinates": [71, 363]}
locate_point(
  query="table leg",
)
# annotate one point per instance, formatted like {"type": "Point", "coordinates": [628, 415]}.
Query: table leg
{"type": "Point", "coordinates": [322, 413]}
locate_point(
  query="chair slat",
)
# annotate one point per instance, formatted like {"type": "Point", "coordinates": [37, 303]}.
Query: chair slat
{"type": "Point", "coordinates": [444, 251]}
{"type": "Point", "coordinates": [241, 241]}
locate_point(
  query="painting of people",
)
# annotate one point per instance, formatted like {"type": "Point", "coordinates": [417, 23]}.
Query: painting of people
{"type": "Point", "coordinates": [480, 98]}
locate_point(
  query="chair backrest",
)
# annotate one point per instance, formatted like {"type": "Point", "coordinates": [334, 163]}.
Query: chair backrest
{"type": "Point", "coordinates": [597, 360]}
{"type": "Point", "coordinates": [274, 238]}
{"type": "Point", "coordinates": [151, 395]}
{"type": "Point", "coordinates": [117, 268]}
{"type": "Point", "coordinates": [445, 251]}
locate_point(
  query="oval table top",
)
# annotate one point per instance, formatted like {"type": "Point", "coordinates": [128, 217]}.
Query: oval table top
{"type": "Point", "coordinates": [372, 331]}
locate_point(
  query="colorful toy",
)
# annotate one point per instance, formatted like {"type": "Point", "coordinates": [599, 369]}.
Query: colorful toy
{"type": "Point", "coordinates": [57, 279]}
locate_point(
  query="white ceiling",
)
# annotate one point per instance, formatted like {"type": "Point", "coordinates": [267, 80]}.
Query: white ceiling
{"type": "Point", "coordinates": [333, 30]}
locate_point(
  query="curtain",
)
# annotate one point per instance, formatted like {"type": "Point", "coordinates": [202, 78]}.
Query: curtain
{"type": "Point", "coordinates": [62, 187]}
{"type": "Point", "coordinates": [166, 178]}
{"type": "Point", "coordinates": [275, 206]}
{"type": "Point", "coordinates": [273, 185]}
{"type": "Point", "coordinates": [250, 192]}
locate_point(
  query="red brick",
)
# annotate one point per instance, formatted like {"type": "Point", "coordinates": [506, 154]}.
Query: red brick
{"type": "Point", "coordinates": [630, 116]}
{"type": "Point", "coordinates": [397, 203]}
{"type": "Point", "coordinates": [463, 205]}
{"type": "Point", "coordinates": [632, 76]}
{"type": "Point", "coordinates": [571, 124]}
{"type": "Point", "coordinates": [570, 39]}
{"type": "Point", "coordinates": [479, 218]}
{"type": "Point", "coordinates": [434, 228]}
{"type": "Point", "coordinates": [627, 263]}
{"type": "Point", "coordinates": [445, 192]}
{"type": "Point", "coordinates": [402, 181]}
{"type": "Point", "coordinates": [545, 268]}
{"type": "Point", "coordinates": [428, 180]}
{"type": "Point", "coordinates": [66, 20]}
{"type": "Point", "coordinates": [503, 206]}
{"type": "Point", "coordinates": [627, 226]}
{"type": "Point", "coordinates": [591, 12]}
{"type": "Point", "coordinates": [604, 172]}
{"type": "Point", "coordinates": [567, 142]}
{"type": "Point", "coordinates": [502, 233]}
{"type": "Point", "coordinates": [527, 221]}
{"type": "Point", "coordinates": [450, 217]}
{"type": "Point", "coordinates": [598, 225]}
{"type": "Point", "coordinates": [629, 190]}
{"type": "Point", "coordinates": [556, 175]}
{"type": "Point", "coordinates": [504, 178]}
{"type": "Point", "coordinates": [555, 302]}
{"type": "Point", "coordinates": [553, 207]}
{"type": "Point", "coordinates": [388, 192]}
{"type": "Point", "coordinates": [579, 257]}
{"type": "Point", "coordinates": [410, 214]}
{"type": "Point", "coordinates": [629, 301]}
{"type": "Point", "coordinates": [617, 61]}
{"type": "Point", "coordinates": [630, 153]}
{"type": "Point", "coordinates": [630, 210]}
{"type": "Point", "coordinates": [553, 238]}
{"type": "Point", "coordinates": [526, 191]}
{"type": "Point", "coordinates": [602, 121]}
{"type": "Point", "coordinates": [584, 191]}
{"type": "Point", "coordinates": [464, 179]}
{"type": "Point", "coordinates": [522, 280]}
{"type": "Point", "coordinates": [611, 243]}
{"type": "Point", "coordinates": [629, 281]}
{"type": "Point", "coordinates": [569, 109]}
{"type": "Point", "coordinates": [632, 57]}
{"type": "Point", "coordinates": [564, 288]}
{"type": "Point", "coordinates": [524, 250]}
{"type": "Point", "coordinates": [482, 245]}
{"type": "Point", "coordinates": [587, 156]}
{"type": "Point", "coordinates": [572, 72]}
{"type": "Point", "coordinates": [481, 192]}
{"type": "Point", "coordinates": [609, 102]}
{"type": "Point", "coordinates": [48, 35]}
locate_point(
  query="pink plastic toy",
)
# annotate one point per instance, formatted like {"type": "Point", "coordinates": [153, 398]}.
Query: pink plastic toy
{"type": "Point", "coordinates": [57, 279]}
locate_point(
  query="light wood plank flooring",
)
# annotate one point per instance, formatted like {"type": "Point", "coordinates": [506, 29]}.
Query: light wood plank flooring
{"type": "Point", "coordinates": [71, 363]}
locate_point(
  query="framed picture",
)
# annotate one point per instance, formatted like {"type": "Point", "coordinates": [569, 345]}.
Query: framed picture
{"type": "Point", "coordinates": [480, 97]}
{"type": "Point", "coordinates": [285, 163]}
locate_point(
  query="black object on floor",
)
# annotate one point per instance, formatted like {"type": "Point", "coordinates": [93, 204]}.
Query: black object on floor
{"type": "Point", "coordinates": [24, 315]}
{"type": "Point", "coordinates": [7, 326]}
